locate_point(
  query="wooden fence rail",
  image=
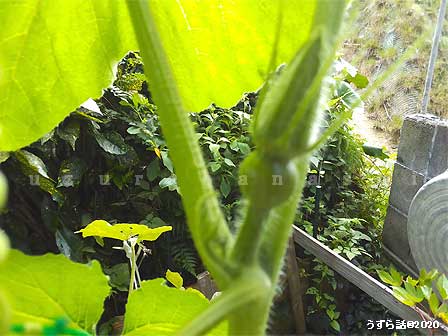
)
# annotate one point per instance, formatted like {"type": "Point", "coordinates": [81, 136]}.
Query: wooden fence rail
{"type": "Point", "coordinates": [359, 278]}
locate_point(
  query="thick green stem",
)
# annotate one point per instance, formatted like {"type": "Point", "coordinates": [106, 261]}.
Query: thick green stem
{"type": "Point", "coordinates": [248, 292]}
{"type": "Point", "coordinates": [279, 226]}
{"type": "Point", "coordinates": [211, 234]}
{"type": "Point", "coordinates": [251, 318]}
{"type": "Point", "coordinates": [247, 244]}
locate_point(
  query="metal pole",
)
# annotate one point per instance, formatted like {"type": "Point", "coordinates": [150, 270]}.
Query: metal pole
{"type": "Point", "coordinates": [433, 55]}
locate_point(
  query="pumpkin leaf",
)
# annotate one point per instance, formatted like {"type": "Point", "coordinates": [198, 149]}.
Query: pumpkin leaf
{"type": "Point", "coordinates": [170, 310]}
{"type": "Point", "coordinates": [212, 61]}
{"type": "Point", "coordinates": [174, 278]}
{"type": "Point", "coordinates": [40, 289]}
{"type": "Point", "coordinates": [122, 231]}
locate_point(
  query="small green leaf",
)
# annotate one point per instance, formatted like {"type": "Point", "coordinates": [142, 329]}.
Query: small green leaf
{"type": "Point", "coordinates": [411, 281]}
{"type": "Point", "coordinates": [214, 149]}
{"type": "Point", "coordinates": [156, 222]}
{"type": "Point", "coordinates": [442, 286]}
{"type": "Point", "coordinates": [174, 278]}
{"type": "Point", "coordinates": [4, 156]}
{"type": "Point", "coordinates": [33, 162]}
{"type": "Point", "coordinates": [32, 166]}
{"type": "Point", "coordinates": [167, 161]}
{"type": "Point", "coordinates": [377, 152]}
{"type": "Point", "coordinates": [112, 142]}
{"type": "Point", "coordinates": [119, 276]}
{"type": "Point", "coordinates": [396, 275]}
{"type": "Point", "coordinates": [387, 278]}
{"type": "Point", "coordinates": [335, 325]}
{"type": "Point", "coordinates": [71, 172]}
{"type": "Point", "coordinates": [99, 241]}
{"type": "Point", "coordinates": [427, 278]}
{"type": "Point", "coordinates": [134, 130]}
{"type": "Point", "coordinates": [69, 132]}
{"type": "Point", "coordinates": [215, 166]}
{"type": "Point", "coordinates": [224, 187]}
{"type": "Point", "coordinates": [234, 145]}
{"type": "Point", "coordinates": [153, 170]}
{"type": "Point", "coordinates": [229, 162]}
{"type": "Point", "coordinates": [169, 182]}
{"type": "Point", "coordinates": [442, 312]}
{"type": "Point", "coordinates": [350, 255]}
{"type": "Point", "coordinates": [434, 303]}
{"type": "Point", "coordinates": [427, 291]}
{"type": "Point", "coordinates": [314, 161]}
{"type": "Point", "coordinates": [403, 296]}
{"type": "Point", "coordinates": [122, 231]}
{"type": "Point", "coordinates": [359, 80]}
{"type": "Point", "coordinates": [244, 148]}
{"type": "Point", "coordinates": [415, 292]}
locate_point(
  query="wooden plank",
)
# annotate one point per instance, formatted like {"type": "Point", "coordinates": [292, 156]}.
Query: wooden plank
{"type": "Point", "coordinates": [295, 289]}
{"type": "Point", "coordinates": [359, 278]}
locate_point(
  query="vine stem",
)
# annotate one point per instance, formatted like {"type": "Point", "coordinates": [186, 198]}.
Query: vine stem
{"type": "Point", "coordinates": [248, 241]}
{"type": "Point", "coordinates": [211, 233]}
{"type": "Point", "coordinates": [248, 291]}
{"type": "Point", "coordinates": [133, 269]}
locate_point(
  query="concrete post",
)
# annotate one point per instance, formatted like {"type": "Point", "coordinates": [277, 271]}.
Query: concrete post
{"type": "Point", "coordinates": [422, 155]}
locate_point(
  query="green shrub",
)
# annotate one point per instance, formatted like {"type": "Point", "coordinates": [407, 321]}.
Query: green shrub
{"type": "Point", "coordinates": [344, 205]}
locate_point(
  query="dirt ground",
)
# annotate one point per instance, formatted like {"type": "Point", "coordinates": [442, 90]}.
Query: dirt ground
{"type": "Point", "coordinates": [375, 137]}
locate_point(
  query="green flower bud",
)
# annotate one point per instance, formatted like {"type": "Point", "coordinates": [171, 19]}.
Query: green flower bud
{"type": "Point", "coordinates": [270, 181]}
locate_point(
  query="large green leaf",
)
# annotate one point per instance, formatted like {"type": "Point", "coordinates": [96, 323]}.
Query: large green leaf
{"type": "Point", "coordinates": [43, 288]}
{"type": "Point", "coordinates": [220, 49]}
{"type": "Point", "coordinates": [156, 309]}
{"type": "Point", "coordinates": [56, 54]}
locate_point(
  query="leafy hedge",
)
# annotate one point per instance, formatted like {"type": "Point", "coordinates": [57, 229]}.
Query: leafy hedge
{"type": "Point", "coordinates": [107, 163]}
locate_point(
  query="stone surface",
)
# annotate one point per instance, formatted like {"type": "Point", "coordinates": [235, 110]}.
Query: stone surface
{"type": "Point", "coordinates": [416, 141]}
{"type": "Point", "coordinates": [395, 235]}
{"type": "Point", "coordinates": [406, 183]}
{"type": "Point", "coordinates": [439, 157]}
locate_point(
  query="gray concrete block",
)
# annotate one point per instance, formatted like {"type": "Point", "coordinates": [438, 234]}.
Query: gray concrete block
{"type": "Point", "coordinates": [395, 235]}
{"type": "Point", "coordinates": [416, 141]}
{"type": "Point", "coordinates": [405, 184]}
{"type": "Point", "coordinates": [439, 157]}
